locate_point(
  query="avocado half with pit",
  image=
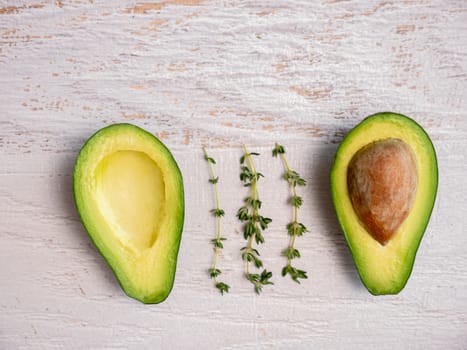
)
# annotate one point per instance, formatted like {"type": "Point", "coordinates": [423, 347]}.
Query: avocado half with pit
{"type": "Point", "coordinates": [129, 194]}
{"type": "Point", "coordinates": [383, 185]}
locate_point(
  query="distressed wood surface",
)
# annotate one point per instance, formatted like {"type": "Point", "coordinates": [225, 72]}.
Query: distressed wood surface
{"type": "Point", "coordinates": [220, 73]}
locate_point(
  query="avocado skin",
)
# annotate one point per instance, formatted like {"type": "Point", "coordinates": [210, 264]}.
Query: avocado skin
{"type": "Point", "coordinates": [407, 124]}
{"type": "Point", "coordinates": [151, 298]}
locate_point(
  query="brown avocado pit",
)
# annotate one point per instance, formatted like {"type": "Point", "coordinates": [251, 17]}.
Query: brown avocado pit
{"type": "Point", "coordinates": [382, 183]}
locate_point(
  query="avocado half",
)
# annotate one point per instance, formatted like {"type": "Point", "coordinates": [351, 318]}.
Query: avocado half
{"type": "Point", "coordinates": [384, 264]}
{"type": "Point", "coordinates": [128, 191]}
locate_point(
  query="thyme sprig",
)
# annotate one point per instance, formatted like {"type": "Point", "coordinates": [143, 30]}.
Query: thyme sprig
{"type": "Point", "coordinates": [295, 229]}
{"type": "Point", "coordinates": [213, 271]}
{"type": "Point", "coordinates": [254, 223]}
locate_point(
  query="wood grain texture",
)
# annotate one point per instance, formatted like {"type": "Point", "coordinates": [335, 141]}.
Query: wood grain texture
{"type": "Point", "coordinates": [197, 72]}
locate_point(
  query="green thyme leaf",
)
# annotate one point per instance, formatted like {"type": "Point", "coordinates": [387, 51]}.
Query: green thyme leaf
{"type": "Point", "coordinates": [223, 287]}
{"type": "Point", "coordinates": [218, 212]}
{"type": "Point", "coordinates": [214, 272]}
{"type": "Point", "coordinates": [296, 201]}
{"type": "Point", "coordinates": [214, 180]}
{"type": "Point", "coordinates": [278, 150]}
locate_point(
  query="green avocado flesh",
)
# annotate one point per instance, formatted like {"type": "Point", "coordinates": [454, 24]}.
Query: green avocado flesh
{"type": "Point", "coordinates": [129, 194]}
{"type": "Point", "coordinates": [384, 265]}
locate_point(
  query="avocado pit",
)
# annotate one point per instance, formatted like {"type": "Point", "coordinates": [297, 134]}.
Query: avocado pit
{"type": "Point", "coordinates": [382, 182]}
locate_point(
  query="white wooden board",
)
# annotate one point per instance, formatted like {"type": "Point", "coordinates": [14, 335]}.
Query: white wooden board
{"type": "Point", "coordinates": [222, 73]}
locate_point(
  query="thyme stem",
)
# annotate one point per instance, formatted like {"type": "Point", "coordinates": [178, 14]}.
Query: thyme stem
{"type": "Point", "coordinates": [214, 272]}
{"type": "Point", "coordinates": [254, 222]}
{"type": "Point", "coordinates": [294, 228]}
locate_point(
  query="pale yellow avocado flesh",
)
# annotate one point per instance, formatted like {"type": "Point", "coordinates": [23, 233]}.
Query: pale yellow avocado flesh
{"type": "Point", "coordinates": [385, 269]}
{"type": "Point", "coordinates": [129, 193]}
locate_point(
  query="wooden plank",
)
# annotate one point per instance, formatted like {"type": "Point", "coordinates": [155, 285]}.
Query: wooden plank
{"type": "Point", "coordinates": [221, 74]}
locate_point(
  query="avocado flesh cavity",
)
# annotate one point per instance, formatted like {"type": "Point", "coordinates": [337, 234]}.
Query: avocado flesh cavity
{"type": "Point", "coordinates": [385, 264]}
{"type": "Point", "coordinates": [129, 194]}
